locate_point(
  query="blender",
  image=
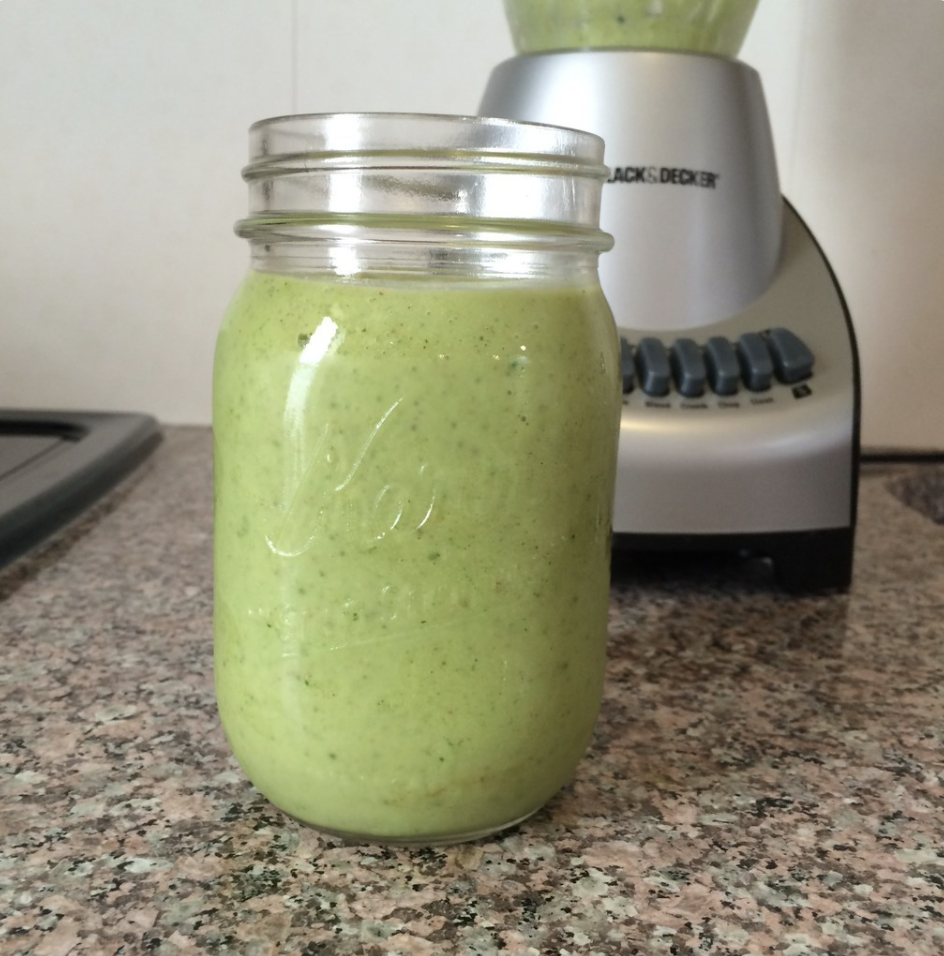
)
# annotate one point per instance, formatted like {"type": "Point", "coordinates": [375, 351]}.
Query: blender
{"type": "Point", "coordinates": [741, 395]}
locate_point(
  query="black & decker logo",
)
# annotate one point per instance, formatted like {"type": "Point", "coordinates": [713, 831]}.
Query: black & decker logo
{"type": "Point", "coordinates": [665, 175]}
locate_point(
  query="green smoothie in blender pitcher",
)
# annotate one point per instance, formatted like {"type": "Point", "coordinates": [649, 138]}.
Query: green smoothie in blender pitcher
{"type": "Point", "coordinates": [705, 26]}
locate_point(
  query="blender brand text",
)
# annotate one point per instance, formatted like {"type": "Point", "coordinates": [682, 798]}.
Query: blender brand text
{"type": "Point", "coordinates": [673, 175]}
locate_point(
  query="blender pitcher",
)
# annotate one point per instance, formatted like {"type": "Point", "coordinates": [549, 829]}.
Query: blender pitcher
{"type": "Point", "coordinates": [701, 26]}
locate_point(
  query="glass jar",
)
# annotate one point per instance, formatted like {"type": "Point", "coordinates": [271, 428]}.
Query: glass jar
{"type": "Point", "coordinates": [698, 26]}
{"type": "Point", "coordinates": [415, 414]}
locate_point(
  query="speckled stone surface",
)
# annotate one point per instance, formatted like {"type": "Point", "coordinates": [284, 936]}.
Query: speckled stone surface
{"type": "Point", "coordinates": [767, 775]}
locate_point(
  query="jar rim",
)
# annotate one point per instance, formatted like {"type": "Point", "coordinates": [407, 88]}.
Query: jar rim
{"type": "Point", "coordinates": [328, 173]}
{"type": "Point", "coordinates": [368, 139]}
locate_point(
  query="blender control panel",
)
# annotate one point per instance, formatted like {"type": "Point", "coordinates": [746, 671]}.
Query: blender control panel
{"type": "Point", "coordinates": [753, 362]}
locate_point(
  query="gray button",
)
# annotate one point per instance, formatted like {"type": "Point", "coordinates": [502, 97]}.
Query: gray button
{"type": "Point", "coordinates": [757, 367]}
{"type": "Point", "coordinates": [626, 366]}
{"type": "Point", "coordinates": [688, 367]}
{"type": "Point", "coordinates": [652, 364]}
{"type": "Point", "coordinates": [793, 361]}
{"type": "Point", "coordinates": [721, 362]}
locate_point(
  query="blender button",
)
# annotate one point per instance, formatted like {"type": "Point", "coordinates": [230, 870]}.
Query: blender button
{"type": "Point", "coordinates": [626, 366]}
{"type": "Point", "coordinates": [757, 367]}
{"type": "Point", "coordinates": [652, 365]}
{"type": "Point", "coordinates": [688, 367]}
{"type": "Point", "coordinates": [721, 362]}
{"type": "Point", "coordinates": [793, 361]}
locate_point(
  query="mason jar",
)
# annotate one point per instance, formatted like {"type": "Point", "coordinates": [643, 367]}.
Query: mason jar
{"type": "Point", "coordinates": [415, 416]}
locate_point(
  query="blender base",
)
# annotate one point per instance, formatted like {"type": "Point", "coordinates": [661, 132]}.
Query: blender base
{"type": "Point", "coordinates": [770, 470]}
{"type": "Point", "coordinates": [803, 561]}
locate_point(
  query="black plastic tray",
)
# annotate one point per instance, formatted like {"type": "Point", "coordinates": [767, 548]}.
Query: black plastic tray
{"type": "Point", "coordinates": [53, 465]}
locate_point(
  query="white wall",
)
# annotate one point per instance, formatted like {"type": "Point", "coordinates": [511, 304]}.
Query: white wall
{"type": "Point", "coordinates": [856, 95]}
{"type": "Point", "coordinates": [122, 132]}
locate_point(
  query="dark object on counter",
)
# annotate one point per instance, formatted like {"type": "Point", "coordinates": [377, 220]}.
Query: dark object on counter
{"type": "Point", "coordinates": [922, 490]}
{"type": "Point", "coordinates": [53, 465]}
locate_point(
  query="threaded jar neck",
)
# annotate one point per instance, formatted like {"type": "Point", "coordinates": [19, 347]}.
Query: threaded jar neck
{"type": "Point", "coordinates": [346, 179]}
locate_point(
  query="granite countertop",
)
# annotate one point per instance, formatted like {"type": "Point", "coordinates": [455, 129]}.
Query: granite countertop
{"type": "Point", "coordinates": [767, 775]}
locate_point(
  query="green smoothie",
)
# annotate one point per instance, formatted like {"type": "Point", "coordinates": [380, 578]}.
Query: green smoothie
{"type": "Point", "coordinates": [413, 510]}
{"type": "Point", "coordinates": [708, 26]}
